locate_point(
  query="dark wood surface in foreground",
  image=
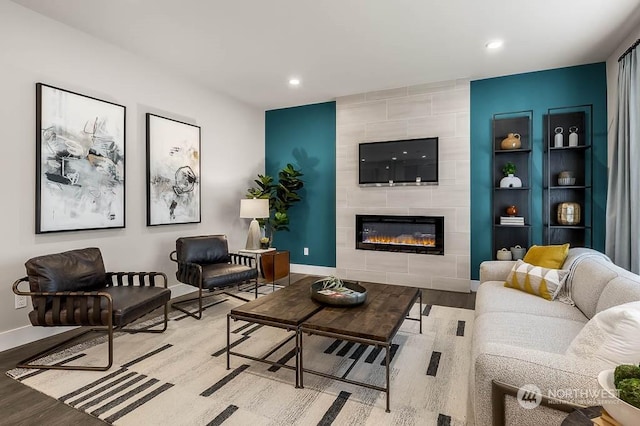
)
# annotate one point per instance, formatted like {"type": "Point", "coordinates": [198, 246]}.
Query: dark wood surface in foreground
{"type": "Point", "coordinates": [378, 318]}
{"type": "Point", "coordinates": [290, 305]}
{"type": "Point", "coordinates": [21, 405]}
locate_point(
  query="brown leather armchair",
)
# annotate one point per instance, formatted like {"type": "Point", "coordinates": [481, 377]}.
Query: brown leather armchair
{"type": "Point", "coordinates": [205, 262]}
{"type": "Point", "coordinates": [73, 289]}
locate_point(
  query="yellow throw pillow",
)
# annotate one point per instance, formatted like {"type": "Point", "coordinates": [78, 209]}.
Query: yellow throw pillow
{"type": "Point", "coordinates": [543, 282]}
{"type": "Point", "coordinates": [547, 256]}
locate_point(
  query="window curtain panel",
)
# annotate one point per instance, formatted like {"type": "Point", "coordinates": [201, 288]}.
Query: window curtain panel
{"type": "Point", "coordinates": [623, 199]}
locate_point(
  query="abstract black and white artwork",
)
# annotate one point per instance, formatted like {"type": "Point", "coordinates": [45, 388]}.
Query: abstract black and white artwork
{"type": "Point", "coordinates": [80, 167]}
{"type": "Point", "coordinates": [173, 171]}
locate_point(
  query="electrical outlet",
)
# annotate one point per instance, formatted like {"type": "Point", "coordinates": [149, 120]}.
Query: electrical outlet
{"type": "Point", "coordinates": [21, 301]}
{"type": "Point", "coordinates": [306, 251]}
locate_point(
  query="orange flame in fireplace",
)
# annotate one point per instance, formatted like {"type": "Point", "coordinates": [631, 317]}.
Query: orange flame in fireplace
{"type": "Point", "coordinates": [409, 240]}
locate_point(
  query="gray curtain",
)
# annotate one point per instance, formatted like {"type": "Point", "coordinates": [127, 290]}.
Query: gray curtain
{"type": "Point", "coordinates": [623, 198]}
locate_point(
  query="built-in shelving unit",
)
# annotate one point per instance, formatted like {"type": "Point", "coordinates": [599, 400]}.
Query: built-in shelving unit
{"type": "Point", "coordinates": [511, 235]}
{"type": "Point", "coordinates": [577, 160]}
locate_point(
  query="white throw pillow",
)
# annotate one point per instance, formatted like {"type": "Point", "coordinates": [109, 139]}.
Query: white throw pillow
{"type": "Point", "coordinates": [612, 335]}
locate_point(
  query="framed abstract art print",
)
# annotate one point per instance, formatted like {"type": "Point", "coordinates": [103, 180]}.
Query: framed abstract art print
{"type": "Point", "coordinates": [173, 171]}
{"type": "Point", "coordinates": [80, 162]}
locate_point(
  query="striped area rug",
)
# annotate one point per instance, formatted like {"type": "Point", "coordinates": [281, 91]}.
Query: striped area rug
{"type": "Point", "coordinates": [179, 377]}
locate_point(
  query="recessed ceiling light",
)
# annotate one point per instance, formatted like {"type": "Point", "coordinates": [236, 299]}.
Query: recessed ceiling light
{"type": "Point", "coordinates": [494, 44]}
{"type": "Point", "coordinates": [404, 152]}
{"type": "Point", "coordinates": [294, 82]}
{"type": "Point", "coordinates": [362, 159]}
{"type": "Point", "coordinates": [424, 156]}
{"type": "Point", "coordinates": [393, 158]}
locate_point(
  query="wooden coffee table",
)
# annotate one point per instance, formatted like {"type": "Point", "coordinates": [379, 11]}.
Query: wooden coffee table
{"type": "Point", "coordinates": [286, 308]}
{"type": "Point", "coordinates": [374, 323]}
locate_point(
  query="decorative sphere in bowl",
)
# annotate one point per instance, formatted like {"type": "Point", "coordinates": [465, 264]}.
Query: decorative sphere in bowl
{"type": "Point", "coordinates": [623, 412]}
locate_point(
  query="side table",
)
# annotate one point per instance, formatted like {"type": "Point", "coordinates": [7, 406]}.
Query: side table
{"type": "Point", "coordinates": [256, 253]}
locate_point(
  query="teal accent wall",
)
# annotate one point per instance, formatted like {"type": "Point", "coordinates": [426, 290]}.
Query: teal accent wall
{"type": "Point", "coordinates": [537, 91]}
{"type": "Point", "coordinates": [305, 136]}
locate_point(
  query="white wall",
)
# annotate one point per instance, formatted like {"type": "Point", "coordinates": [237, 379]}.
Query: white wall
{"type": "Point", "coordinates": [36, 49]}
{"type": "Point", "coordinates": [434, 109]}
{"type": "Point", "coordinates": [612, 86]}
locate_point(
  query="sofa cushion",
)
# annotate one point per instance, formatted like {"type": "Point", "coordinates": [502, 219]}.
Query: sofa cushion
{"type": "Point", "coordinates": [203, 249]}
{"type": "Point", "coordinates": [588, 280]}
{"type": "Point", "coordinates": [536, 280]}
{"type": "Point", "coordinates": [74, 270]}
{"type": "Point", "coordinates": [547, 256]}
{"type": "Point", "coordinates": [612, 335]}
{"type": "Point", "coordinates": [622, 289]}
{"type": "Point", "coordinates": [522, 330]}
{"type": "Point", "coordinates": [493, 296]}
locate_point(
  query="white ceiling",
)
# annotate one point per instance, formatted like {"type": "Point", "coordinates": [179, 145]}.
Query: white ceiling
{"type": "Point", "coordinates": [249, 49]}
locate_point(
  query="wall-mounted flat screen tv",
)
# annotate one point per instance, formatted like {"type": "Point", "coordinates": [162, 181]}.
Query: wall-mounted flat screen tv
{"type": "Point", "coordinates": [402, 162]}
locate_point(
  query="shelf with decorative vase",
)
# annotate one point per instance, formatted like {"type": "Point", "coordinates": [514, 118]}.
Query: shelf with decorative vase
{"type": "Point", "coordinates": [512, 149]}
{"type": "Point", "coordinates": [568, 166]}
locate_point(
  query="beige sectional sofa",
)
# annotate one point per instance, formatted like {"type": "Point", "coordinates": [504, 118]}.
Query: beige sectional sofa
{"type": "Point", "coordinates": [522, 339]}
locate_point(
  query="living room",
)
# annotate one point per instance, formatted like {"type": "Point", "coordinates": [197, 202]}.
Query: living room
{"type": "Point", "coordinates": [320, 135]}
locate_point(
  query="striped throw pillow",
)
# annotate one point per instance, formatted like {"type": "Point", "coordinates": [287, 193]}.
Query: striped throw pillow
{"type": "Point", "coordinates": [543, 282]}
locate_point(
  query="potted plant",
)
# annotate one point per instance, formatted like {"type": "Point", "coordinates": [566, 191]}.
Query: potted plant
{"type": "Point", "coordinates": [509, 169]}
{"type": "Point", "coordinates": [264, 242]}
{"type": "Point", "coordinates": [510, 180]}
{"type": "Point", "coordinates": [281, 195]}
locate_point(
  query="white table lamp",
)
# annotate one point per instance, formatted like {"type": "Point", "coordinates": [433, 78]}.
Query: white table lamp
{"type": "Point", "coordinates": [254, 208]}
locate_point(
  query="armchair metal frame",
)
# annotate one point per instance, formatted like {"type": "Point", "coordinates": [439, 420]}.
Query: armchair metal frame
{"type": "Point", "coordinates": [191, 273]}
{"type": "Point", "coordinates": [90, 313]}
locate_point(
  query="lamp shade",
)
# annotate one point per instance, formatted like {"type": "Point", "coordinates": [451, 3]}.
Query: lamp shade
{"type": "Point", "coordinates": [252, 208]}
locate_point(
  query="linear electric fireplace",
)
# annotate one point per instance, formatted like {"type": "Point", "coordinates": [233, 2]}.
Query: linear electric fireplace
{"type": "Point", "coordinates": [407, 234]}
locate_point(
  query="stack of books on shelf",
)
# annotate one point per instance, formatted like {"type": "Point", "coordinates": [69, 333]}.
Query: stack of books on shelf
{"type": "Point", "coordinates": [512, 220]}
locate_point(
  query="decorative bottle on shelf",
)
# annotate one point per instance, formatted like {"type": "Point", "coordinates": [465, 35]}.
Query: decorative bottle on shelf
{"type": "Point", "coordinates": [558, 139]}
{"type": "Point", "coordinates": [512, 141]}
{"type": "Point", "coordinates": [510, 181]}
{"type": "Point", "coordinates": [573, 136]}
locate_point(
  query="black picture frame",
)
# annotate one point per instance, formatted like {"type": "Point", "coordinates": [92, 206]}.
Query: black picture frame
{"type": "Point", "coordinates": [80, 162]}
{"type": "Point", "coordinates": [173, 171]}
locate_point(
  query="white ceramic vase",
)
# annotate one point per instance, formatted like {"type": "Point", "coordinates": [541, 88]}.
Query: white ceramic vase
{"type": "Point", "coordinates": [510, 181]}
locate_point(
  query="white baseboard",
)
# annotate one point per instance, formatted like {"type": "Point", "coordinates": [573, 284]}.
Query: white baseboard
{"type": "Point", "coordinates": [22, 335]}
{"type": "Point", "coordinates": [312, 270]}
{"type": "Point", "coordinates": [474, 285]}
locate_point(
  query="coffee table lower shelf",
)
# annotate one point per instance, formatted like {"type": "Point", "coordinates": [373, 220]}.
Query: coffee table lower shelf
{"type": "Point", "coordinates": [293, 328]}
{"type": "Point", "coordinates": [385, 345]}
{"type": "Point", "coordinates": [315, 319]}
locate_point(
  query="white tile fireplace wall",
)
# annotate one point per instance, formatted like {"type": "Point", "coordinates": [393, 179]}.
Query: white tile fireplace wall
{"type": "Point", "coordinates": [436, 109]}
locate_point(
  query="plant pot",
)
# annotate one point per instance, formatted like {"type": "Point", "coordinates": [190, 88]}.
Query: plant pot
{"type": "Point", "coordinates": [510, 181]}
